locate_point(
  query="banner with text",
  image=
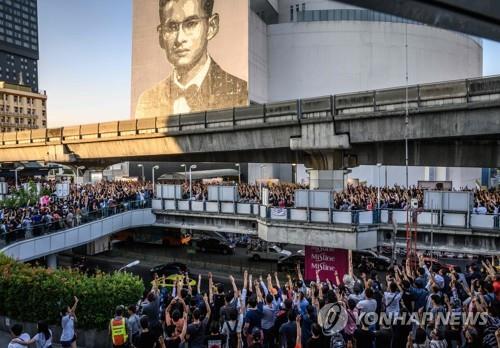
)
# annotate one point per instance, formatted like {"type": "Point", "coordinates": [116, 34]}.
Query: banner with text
{"type": "Point", "coordinates": [327, 261]}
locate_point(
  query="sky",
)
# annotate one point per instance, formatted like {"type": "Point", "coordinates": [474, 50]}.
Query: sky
{"type": "Point", "coordinates": [85, 59]}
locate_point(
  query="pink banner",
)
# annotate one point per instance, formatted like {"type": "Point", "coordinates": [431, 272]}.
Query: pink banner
{"type": "Point", "coordinates": [327, 261]}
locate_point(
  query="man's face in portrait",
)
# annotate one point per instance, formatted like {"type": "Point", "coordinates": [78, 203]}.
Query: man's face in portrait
{"type": "Point", "coordinates": [185, 30]}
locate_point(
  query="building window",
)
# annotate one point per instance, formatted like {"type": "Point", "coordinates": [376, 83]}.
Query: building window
{"type": "Point", "coordinates": [303, 6]}
{"type": "Point", "coordinates": [291, 13]}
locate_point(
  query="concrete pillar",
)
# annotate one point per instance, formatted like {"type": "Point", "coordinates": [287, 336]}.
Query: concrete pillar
{"type": "Point", "coordinates": [52, 261]}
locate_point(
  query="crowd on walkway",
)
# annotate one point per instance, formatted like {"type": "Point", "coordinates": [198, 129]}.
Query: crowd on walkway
{"type": "Point", "coordinates": [82, 203]}
{"type": "Point", "coordinates": [359, 197]}
{"type": "Point", "coordinates": [423, 307]}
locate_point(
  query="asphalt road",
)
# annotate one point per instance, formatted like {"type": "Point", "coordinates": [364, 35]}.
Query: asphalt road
{"type": "Point", "coordinates": [151, 255]}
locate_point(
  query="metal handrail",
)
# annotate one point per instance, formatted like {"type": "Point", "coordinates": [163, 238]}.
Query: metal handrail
{"type": "Point", "coordinates": [42, 229]}
{"type": "Point", "coordinates": [354, 214]}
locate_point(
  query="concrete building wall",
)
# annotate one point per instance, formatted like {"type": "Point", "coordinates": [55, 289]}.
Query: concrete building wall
{"type": "Point", "coordinates": [257, 65]}
{"type": "Point", "coordinates": [310, 59]}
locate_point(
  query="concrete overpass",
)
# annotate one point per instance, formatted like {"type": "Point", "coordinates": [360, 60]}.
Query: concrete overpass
{"type": "Point", "coordinates": [450, 124]}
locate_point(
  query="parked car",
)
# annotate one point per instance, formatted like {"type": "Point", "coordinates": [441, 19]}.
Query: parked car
{"type": "Point", "coordinates": [214, 245]}
{"type": "Point", "coordinates": [168, 269]}
{"type": "Point", "coordinates": [367, 260]}
{"type": "Point", "coordinates": [268, 252]}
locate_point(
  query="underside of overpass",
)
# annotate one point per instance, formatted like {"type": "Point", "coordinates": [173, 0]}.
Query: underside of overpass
{"type": "Point", "coordinates": [446, 239]}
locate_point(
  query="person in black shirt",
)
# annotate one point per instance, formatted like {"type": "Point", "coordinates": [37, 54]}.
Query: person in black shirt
{"type": "Point", "coordinates": [146, 338]}
{"type": "Point", "coordinates": [215, 339]}
{"type": "Point", "coordinates": [363, 337]}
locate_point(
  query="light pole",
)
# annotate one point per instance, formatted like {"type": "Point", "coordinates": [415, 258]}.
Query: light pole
{"type": "Point", "coordinates": [239, 173]}
{"type": "Point", "coordinates": [132, 264]}
{"type": "Point", "coordinates": [192, 166]}
{"type": "Point", "coordinates": [378, 186]}
{"type": "Point", "coordinates": [294, 172]}
{"type": "Point", "coordinates": [153, 174]}
{"type": "Point", "coordinates": [183, 165]}
{"type": "Point", "coordinates": [15, 174]}
{"type": "Point", "coordinates": [77, 169]}
{"type": "Point", "coordinates": [260, 182]}
{"type": "Point", "coordinates": [142, 169]}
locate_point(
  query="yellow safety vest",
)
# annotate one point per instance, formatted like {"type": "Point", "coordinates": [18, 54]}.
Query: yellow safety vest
{"type": "Point", "coordinates": [118, 332]}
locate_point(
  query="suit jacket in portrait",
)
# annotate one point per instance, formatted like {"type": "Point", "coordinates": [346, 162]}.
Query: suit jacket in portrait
{"type": "Point", "coordinates": [219, 90]}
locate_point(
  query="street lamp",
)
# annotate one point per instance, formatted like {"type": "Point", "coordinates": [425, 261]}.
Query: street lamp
{"type": "Point", "coordinates": [15, 173]}
{"type": "Point", "coordinates": [142, 169]}
{"type": "Point", "coordinates": [260, 183]}
{"type": "Point", "coordinates": [153, 173]}
{"type": "Point", "coordinates": [183, 165]}
{"type": "Point", "coordinates": [192, 166]}
{"type": "Point", "coordinates": [132, 264]}
{"type": "Point", "coordinates": [378, 186]}
{"type": "Point", "coordinates": [239, 173]}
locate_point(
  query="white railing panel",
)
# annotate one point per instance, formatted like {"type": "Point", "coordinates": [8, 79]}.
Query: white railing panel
{"type": "Point", "coordinates": [169, 204]}
{"type": "Point", "coordinates": [212, 207]}
{"type": "Point", "coordinates": [278, 213]}
{"type": "Point", "coordinates": [58, 241]}
{"type": "Point", "coordinates": [72, 236]}
{"type": "Point", "coordinates": [84, 233]}
{"type": "Point", "coordinates": [158, 191]}
{"type": "Point", "coordinates": [197, 206]}
{"type": "Point", "coordinates": [298, 214]}
{"type": "Point", "coordinates": [183, 205]}
{"type": "Point", "coordinates": [424, 218]}
{"type": "Point", "coordinates": [342, 217]}
{"type": "Point", "coordinates": [157, 204]}
{"type": "Point", "coordinates": [384, 216]}
{"type": "Point", "coordinates": [244, 208]}
{"type": "Point", "coordinates": [454, 219]}
{"type": "Point", "coordinates": [482, 221]}
{"type": "Point", "coordinates": [227, 207]}
{"type": "Point", "coordinates": [365, 217]}
{"type": "Point", "coordinates": [400, 216]}
{"type": "Point", "coordinates": [320, 216]}
{"type": "Point", "coordinates": [255, 209]}
{"type": "Point", "coordinates": [263, 211]}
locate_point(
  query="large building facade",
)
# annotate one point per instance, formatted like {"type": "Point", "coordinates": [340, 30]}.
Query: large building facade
{"type": "Point", "coordinates": [19, 42]}
{"type": "Point", "coordinates": [22, 105]}
{"type": "Point", "coordinates": [310, 48]}
{"type": "Point", "coordinates": [21, 108]}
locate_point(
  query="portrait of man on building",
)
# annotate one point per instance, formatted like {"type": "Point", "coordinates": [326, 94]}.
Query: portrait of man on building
{"type": "Point", "coordinates": [196, 82]}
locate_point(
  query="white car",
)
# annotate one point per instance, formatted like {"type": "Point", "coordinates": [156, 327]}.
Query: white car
{"type": "Point", "coordinates": [271, 252]}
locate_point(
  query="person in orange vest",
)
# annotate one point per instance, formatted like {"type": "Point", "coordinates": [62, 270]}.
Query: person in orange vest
{"type": "Point", "coordinates": [118, 329]}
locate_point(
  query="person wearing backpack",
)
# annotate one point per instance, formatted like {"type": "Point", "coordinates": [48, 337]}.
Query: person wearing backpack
{"type": "Point", "coordinates": [231, 329]}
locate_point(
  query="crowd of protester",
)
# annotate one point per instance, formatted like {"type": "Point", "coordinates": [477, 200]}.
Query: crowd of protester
{"type": "Point", "coordinates": [424, 306]}
{"type": "Point", "coordinates": [51, 212]}
{"type": "Point", "coordinates": [359, 197]}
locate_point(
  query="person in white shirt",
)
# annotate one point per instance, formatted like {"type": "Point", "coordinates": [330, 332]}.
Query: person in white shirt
{"type": "Point", "coordinates": [42, 339]}
{"type": "Point", "coordinates": [16, 332]}
{"type": "Point", "coordinates": [392, 299]}
{"type": "Point", "coordinates": [68, 335]}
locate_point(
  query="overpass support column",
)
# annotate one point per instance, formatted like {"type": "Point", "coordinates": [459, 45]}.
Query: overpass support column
{"type": "Point", "coordinates": [52, 261]}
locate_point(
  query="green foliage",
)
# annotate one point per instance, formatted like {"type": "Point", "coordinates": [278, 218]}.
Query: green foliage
{"type": "Point", "coordinates": [22, 197]}
{"type": "Point", "coordinates": [34, 293]}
